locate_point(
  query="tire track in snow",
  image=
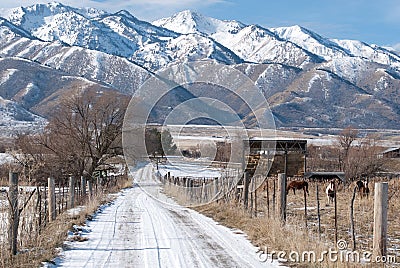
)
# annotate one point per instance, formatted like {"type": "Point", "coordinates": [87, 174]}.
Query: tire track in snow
{"type": "Point", "coordinates": [102, 236]}
{"type": "Point", "coordinates": [155, 237]}
{"type": "Point", "coordinates": [138, 230]}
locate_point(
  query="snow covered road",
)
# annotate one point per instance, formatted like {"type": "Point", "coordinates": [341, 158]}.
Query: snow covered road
{"type": "Point", "coordinates": [138, 230]}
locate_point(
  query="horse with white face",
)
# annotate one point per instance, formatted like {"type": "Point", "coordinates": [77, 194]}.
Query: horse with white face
{"type": "Point", "coordinates": [362, 188]}
{"type": "Point", "coordinates": [330, 191]}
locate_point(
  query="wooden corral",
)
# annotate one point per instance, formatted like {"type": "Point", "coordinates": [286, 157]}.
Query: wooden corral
{"type": "Point", "coordinates": [281, 156]}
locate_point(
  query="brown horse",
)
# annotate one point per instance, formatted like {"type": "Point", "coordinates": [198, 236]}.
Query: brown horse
{"type": "Point", "coordinates": [297, 185]}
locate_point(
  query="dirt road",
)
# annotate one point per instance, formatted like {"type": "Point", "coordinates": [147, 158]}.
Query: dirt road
{"type": "Point", "coordinates": [138, 230]}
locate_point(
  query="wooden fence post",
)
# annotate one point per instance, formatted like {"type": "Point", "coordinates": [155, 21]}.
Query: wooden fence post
{"type": "Point", "coordinates": [13, 212]}
{"type": "Point", "coordinates": [267, 198]}
{"type": "Point", "coordinates": [216, 190]}
{"type": "Point", "coordinates": [83, 186]}
{"type": "Point", "coordinates": [203, 192]}
{"type": "Point", "coordinates": [318, 212]}
{"type": "Point", "coordinates": [246, 189]}
{"type": "Point", "coordinates": [71, 192]}
{"type": "Point", "coordinates": [305, 207]}
{"type": "Point", "coordinates": [335, 200]}
{"type": "Point", "coordinates": [353, 235]}
{"type": "Point", "coordinates": [51, 199]}
{"type": "Point", "coordinates": [282, 196]}
{"type": "Point", "coordinates": [274, 197]}
{"type": "Point", "coordinates": [90, 189]}
{"type": "Point", "coordinates": [255, 197]}
{"type": "Point", "coordinates": [380, 218]}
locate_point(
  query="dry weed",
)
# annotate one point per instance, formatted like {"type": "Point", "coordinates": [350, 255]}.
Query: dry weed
{"type": "Point", "coordinates": [44, 246]}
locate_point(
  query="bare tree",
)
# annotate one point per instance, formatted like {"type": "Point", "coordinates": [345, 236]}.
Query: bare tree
{"type": "Point", "coordinates": [86, 131]}
{"type": "Point", "coordinates": [32, 159]}
{"type": "Point", "coordinates": [323, 158]}
{"type": "Point", "coordinates": [358, 157]}
{"type": "Point", "coordinates": [362, 159]}
{"type": "Point", "coordinates": [346, 139]}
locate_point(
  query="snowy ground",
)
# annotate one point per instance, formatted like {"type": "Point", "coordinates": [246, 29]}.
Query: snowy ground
{"type": "Point", "coordinates": [5, 158]}
{"type": "Point", "coordinates": [139, 230]}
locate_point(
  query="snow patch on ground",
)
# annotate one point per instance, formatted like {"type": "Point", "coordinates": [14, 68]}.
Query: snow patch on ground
{"type": "Point", "coordinates": [137, 230]}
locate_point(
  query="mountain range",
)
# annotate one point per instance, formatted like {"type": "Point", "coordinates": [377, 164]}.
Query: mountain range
{"type": "Point", "coordinates": [48, 50]}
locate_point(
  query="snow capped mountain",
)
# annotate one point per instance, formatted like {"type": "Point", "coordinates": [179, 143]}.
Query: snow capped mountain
{"type": "Point", "coordinates": [309, 80]}
{"type": "Point", "coordinates": [371, 52]}
{"type": "Point", "coordinates": [33, 17]}
{"type": "Point", "coordinates": [252, 43]}
{"type": "Point", "coordinates": [9, 30]}
{"type": "Point", "coordinates": [187, 21]}
{"type": "Point", "coordinates": [190, 47]}
{"type": "Point", "coordinates": [117, 34]}
{"type": "Point", "coordinates": [331, 49]}
{"type": "Point", "coordinates": [259, 45]}
{"type": "Point", "coordinates": [311, 41]}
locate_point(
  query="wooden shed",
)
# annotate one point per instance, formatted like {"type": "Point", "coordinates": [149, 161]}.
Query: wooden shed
{"type": "Point", "coordinates": [278, 155]}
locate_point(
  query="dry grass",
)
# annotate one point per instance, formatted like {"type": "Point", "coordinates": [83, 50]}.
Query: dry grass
{"type": "Point", "coordinates": [268, 232]}
{"type": "Point", "coordinates": [45, 246]}
{"type": "Point", "coordinates": [363, 215]}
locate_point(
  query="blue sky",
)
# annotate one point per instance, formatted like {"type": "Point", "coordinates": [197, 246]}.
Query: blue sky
{"type": "Point", "coordinates": [374, 22]}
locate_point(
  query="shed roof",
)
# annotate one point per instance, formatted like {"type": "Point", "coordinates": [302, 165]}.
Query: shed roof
{"type": "Point", "coordinates": [391, 150]}
{"type": "Point", "coordinates": [326, 174]}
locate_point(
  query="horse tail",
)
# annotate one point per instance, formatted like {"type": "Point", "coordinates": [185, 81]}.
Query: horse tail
{"type": "Point", "coordinates": [306, 183]}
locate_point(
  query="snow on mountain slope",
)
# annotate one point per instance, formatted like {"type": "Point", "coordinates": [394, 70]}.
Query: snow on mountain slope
{"type": "Point", "coordinates": [350, 68]}
{"type": "Point", "coordinates": [15, 119]}
{"type": "Point", "coordinates": [12, 111]}
{"type": "Point", "coordinates": [33, 17]}
{"type": "Point", "coordinates": [251, 43]}
{"type": "Point", "coordinates": [190, 47]}
{"type": "Point", "coordinates": [320, 97]}
{"type": "Point", "coordinates": [192, 22]}
{"type": "Point", "coordinates": [37, 87]}
{"type": "Point", "coordinates": [311, 41]}
{"type": "Point", "coordinates": [117, 72]}
{"type": "Point", "coordinates": [371, 52]}
{"type": "Point", "coordinates": [119, 34]}
{"type": "Point", "coordinates": [9, 30]}
{"type": "Point", "coordinates": [256, 44]}
{"type": "Point", "coordinates": [331, 49]}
